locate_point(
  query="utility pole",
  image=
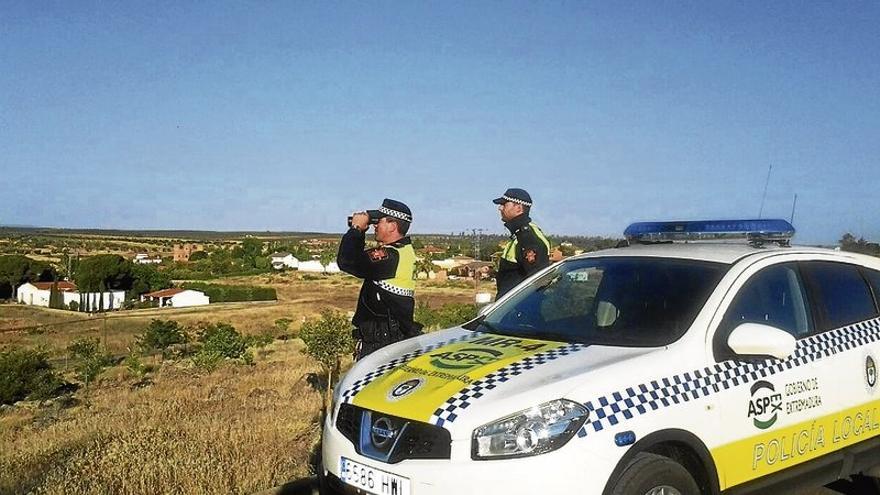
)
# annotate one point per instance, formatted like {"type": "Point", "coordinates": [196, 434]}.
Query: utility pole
{"type": "Point", "coordinates": [478, 235]}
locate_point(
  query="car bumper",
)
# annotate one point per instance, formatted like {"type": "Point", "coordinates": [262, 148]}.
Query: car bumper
{"type": "Point", "coordinates": [562, 471]}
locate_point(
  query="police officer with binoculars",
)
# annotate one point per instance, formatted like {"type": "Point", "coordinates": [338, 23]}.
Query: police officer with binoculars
{"type": "Point", "coordinates": [384, 313]}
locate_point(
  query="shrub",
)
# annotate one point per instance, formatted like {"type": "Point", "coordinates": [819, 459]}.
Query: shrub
{"type": "Point", "coordinates": [90, 359]}
{"type": "Point", "coordinates": [26, 373]}
{"type": "Point", "coordinates": [135, 366]}
{"type": "Point", "coordinates": [260, 341]}
{"type": "Point", "coordinates": [198, 255]}
{"type": "Point", "coordinates": [224, 339]}
{"type": "Point", "coordinates": [282, 324]}
{"type": "Point", "coordinates": [207, 360]}
{"type": "Point", "coordinates": [446, 316]}
{"type": "Point", "coordinates": [327, 338]}
{"type": "Point", "coordinates": [234, 293]}
{"type": "Point", "coordinates": [161, 334]}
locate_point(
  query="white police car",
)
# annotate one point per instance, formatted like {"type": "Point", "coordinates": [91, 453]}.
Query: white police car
{"type": "Point", "coordinates": [659, 368]}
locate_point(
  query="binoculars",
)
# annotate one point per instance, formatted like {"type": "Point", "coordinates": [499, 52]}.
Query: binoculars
{"type": "Point", "coordinates": [374, 217]}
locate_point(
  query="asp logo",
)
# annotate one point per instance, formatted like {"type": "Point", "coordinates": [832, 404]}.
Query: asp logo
{"type": "Point", "coordinates": [465, 358]}
{"type": "Point", "coordinates": [765, 405]}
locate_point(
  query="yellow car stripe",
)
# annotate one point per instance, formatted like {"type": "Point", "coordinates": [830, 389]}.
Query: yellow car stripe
{"type": "Point", "coordinates": [415, 389]}
{"type": "Point", "coordinates": [760, 455]}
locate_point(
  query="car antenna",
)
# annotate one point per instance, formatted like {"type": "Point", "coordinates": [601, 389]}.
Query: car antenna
{"type": "Point", "coordinates": [764, 196]}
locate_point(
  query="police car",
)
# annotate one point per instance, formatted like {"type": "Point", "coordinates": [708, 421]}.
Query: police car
{"type": "Point", "coordinates": [686, 363]}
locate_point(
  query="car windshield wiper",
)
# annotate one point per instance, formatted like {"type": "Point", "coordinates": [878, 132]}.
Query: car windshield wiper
{"type": "Point", "coordinates": [492, 328]}
{"type": "Point", "coordinates": [545, 335]}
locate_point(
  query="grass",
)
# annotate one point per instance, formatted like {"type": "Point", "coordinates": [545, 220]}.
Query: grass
{"type": "Point", "coordinates": [298, 299]}
{"type": "Point", "coordinates": [239, 429]}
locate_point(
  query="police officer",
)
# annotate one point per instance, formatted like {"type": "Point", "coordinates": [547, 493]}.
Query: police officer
{"type": "Point", "coordinates": [528, 250]}
{"type": "Point", "coordinates": [384, 313]}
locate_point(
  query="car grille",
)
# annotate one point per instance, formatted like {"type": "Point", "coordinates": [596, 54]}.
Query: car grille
{"type": "Point", "coordinates": [389, 438]}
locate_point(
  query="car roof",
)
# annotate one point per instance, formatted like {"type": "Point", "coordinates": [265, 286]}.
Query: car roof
{"type": "Point", "coordinates": [717, 252]}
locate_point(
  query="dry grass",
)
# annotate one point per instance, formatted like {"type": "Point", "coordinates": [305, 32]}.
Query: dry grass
{"type": "Point", "coordinates": [237, 430]}
{"type": "Point", "coordinates": [298, 298]}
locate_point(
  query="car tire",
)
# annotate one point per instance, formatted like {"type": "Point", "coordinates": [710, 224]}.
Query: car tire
{"type": "Point", "coordinates": [652, 474]}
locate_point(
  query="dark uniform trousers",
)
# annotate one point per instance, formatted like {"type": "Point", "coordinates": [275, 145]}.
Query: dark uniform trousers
{"type": "Point", "coordinates": [527, 252]}
{"type": "Point", "coordinates": [384, 313]}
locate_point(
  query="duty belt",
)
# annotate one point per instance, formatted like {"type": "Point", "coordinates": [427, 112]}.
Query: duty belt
{"type": "Point", "coordinates": [400, 291]}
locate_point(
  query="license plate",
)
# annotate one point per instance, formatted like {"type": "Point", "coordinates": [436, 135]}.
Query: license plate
{"type": "Point", "coordinates": [372, 480]}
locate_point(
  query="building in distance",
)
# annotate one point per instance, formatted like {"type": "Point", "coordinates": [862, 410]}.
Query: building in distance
{"type": "Point", "coordinates": [177, 298]}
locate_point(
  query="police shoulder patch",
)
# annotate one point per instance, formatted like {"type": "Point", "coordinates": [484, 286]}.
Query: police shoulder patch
{"type": "Point", "coordinates": [530, 256]}
{"type": "Point", "coordinates": [377, 254]}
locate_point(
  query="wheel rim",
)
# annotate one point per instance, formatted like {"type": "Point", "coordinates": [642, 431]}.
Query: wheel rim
{"type": "Point", "coordinates": [663, 490]}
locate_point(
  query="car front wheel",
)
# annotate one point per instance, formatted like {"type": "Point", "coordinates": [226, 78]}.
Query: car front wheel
{"type": "Point", "coordinates": [652, 474]}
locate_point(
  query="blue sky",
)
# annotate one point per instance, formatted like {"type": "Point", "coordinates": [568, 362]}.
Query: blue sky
{"type": "Point", "coordinates": [288, 115]}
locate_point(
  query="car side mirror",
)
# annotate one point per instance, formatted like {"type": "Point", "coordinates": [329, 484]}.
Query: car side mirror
{"type": "Point", "coordinates": [757, 339]}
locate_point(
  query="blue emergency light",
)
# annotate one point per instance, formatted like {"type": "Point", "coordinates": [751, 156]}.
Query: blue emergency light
{"type": "Point", "coordinates": [754, 231]}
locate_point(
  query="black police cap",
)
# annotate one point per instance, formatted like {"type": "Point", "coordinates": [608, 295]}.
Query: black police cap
{"type": "Point", "coordinates": [392, 208]}
{"type": "Point", "coordinates": [514, 195]}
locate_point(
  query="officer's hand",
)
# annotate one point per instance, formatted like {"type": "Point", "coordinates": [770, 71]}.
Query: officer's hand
{"type": "Point", "coordinates": [360, 221]}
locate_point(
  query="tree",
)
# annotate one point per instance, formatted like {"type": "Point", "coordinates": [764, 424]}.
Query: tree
{"type": "Point", "coordinates": [112, 270]}
{"type": "Point", "coordinates": [327, 339]}
{"type": "Point", "coordinates": [198, 256]}
{"type": "Point", "coordinates": [220, 262]}
{"type": "Point", "coordinates": [146, 278]}
{"type": "Point", "coordinates": [161, 334]}
{"type": "Point", "coordinates": [425, 264]}
{"type": "Point", "coordinates": [90, 359]}
{"type": "Point", "coordinates": [56, 300]}
{"type": "Point", "coordinates": [327, 257]}
{"type": "Point", "coordinates": [16, 270]}
{"type": "Point", "coordinates": [251, 248]}
{"type": "Point", "coordinates": [849, 243]}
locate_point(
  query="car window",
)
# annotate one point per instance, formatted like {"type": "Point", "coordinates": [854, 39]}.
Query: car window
{"type": "Point", "coordinates": [774, 296]}
{"type": "Point", "coordinates": [841, 293]}
{"type": "Point", "coordinates": [873, 277]}
{"type": "Point", "coordinates": [614, 301]}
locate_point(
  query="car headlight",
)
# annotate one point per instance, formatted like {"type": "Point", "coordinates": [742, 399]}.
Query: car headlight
{"type": "Point", "coordinates": [537, 430]}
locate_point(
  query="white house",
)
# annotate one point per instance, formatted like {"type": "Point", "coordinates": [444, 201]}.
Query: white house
{"type": "Point", "coordinates": [284, 260]}
{"type": "Point", "coordinates": [146, 259]}
{"type": "Point", "coordinates": [311, 266]}
{"type": "Point", "coordinates": [332, 267]}
{"type": "Point", "coordinates": [177, 297]}
{"type": "Point", "coordinates": [38, 293]}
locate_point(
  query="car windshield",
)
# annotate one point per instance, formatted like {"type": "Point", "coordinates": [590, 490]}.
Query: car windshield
{"type": "Point", "coordinates": [634, 302]}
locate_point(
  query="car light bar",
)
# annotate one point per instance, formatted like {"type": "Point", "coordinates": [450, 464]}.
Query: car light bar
{"type": "Point", "coordinates": [755, 231]}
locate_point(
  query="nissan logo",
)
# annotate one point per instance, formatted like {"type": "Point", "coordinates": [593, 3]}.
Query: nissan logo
{"type": "Point", "coordinates": [382, 433]}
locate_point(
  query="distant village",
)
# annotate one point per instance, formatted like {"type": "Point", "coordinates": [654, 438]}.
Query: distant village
{"type": "Point", "coordinates": [94, 273]}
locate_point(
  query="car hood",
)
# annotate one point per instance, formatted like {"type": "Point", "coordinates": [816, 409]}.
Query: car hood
{"type": "Point", "coordinates": [458, 379]}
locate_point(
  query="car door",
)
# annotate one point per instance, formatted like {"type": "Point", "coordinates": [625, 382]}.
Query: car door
{"type": "Point", "coordinates": [846, 350]}
{"type": "Point", "coordinates": [761, 432]}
